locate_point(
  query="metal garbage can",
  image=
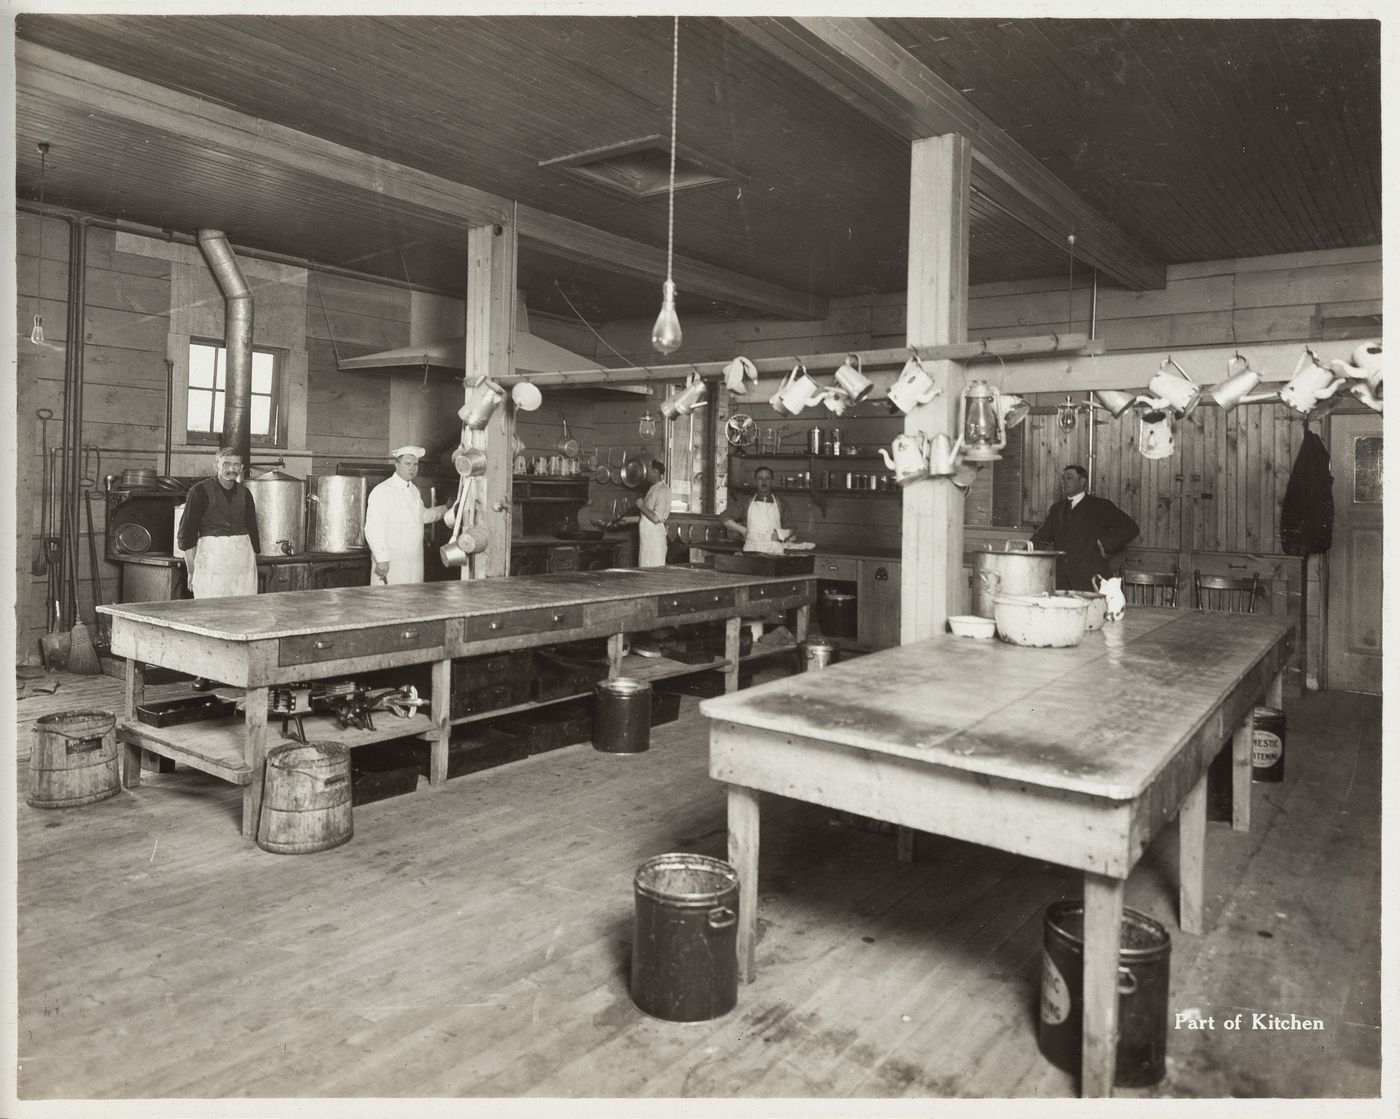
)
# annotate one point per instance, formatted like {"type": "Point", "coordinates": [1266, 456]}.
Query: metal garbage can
{"type": "Point", "coordinates": [816, 653]}
{"type": "Point", "coordinates": [1144, 966]}
{"type": "Point", "coordinates": [622, 716]}
{"type": "Point", "coordinates": [685, 966]}
{"type": "Point", "coordinates": [1266, 751]}
{"type": "Point", "coordinates": [836, 614]}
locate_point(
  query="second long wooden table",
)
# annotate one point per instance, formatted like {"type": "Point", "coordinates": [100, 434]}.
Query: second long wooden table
{"type": "Point", "coordinates": [1077, 756]}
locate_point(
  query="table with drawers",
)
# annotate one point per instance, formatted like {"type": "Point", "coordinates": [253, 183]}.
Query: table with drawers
{"type": "Point", "coordinates": [261, 642]}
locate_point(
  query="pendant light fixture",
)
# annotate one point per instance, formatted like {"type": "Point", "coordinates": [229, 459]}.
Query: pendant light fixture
{"type": "Point", "coordinates": [666, 334]}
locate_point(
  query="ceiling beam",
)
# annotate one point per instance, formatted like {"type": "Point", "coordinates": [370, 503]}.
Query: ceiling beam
{"type": "Point", "coordinates": [857, 62]}
{"type": "Point", "coordinates": [46, 76]}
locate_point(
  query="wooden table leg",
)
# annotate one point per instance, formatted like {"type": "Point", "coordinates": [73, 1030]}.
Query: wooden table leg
{"type": "Point", "coordinates": [743, 856]}
{"type": "Point", "coordinates": [1275, 696]}
{"type": "Point", "coordinates": [1191, 828]}
{"type": "Point", "coordinates": [255, 755]}
{"type": "Point", "coordinates": [441, 710]}
{"type": "Point", "coordinates": [1242, 771]}
{"type": "Point", "coordinates": [135, 696]}
{"type": "Point", "coordinates": [731, 653]}
{"type": "Point", "coordinates": [615, 643]}
{"type": "Point", "coordinates": [1103, 915]}
{"type": "Point", "coordinates": [804, 620]}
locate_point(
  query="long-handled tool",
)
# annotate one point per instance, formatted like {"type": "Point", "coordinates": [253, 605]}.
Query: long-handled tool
{"type": "Point", "coordinates": [99, 592]}
{"type": "Point", "coordinates": [40, 564]}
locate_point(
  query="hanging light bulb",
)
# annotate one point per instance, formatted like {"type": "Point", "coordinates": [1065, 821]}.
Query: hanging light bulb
{"type": "Point", "coordinates": [1065, 413]}
{"type": "Point", "coordinates": [666, 334]}
{"type": "Point", "coordinates": [646, 426]}
{"type": "Point", "coordinates": [37, 334]}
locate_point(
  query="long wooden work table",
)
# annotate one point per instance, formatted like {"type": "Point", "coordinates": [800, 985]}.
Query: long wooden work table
{"type": "Point", "coordinates": [1076, 756]}
{"type": "Point", "coordinates": [260, 642]}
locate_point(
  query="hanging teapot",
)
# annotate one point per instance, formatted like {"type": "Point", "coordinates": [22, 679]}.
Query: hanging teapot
{"type": "Point", "coordinates": [485, 397]}
{"type": "Point", "coordinates": [1155, 432]}
{"type": "Point", "coordinates": [1312, 382]}
{"type": "Point", "coordinates": [910, 460]}
{"type": "Point", "coordinates": [1171, 384]}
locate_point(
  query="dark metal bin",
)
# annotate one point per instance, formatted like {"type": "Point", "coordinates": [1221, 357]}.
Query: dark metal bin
{"type": "Point", "coordinates": [685, 966]}
{"type": "Point", "coordinates": [622, 716]}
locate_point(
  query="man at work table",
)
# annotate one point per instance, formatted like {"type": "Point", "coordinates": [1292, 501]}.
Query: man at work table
{"type": "Point", "coordinates": [394, 520]}
{"type": "Point", "coordinates": [219, 534]}
{"type": "Point", "coordinates": [1086, 530]}
{"type": "Point", "coordinates": [762, 518]}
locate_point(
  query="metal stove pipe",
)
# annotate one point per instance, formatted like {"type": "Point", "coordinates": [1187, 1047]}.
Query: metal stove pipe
{"type": "Point", "coordinates": [238, 339]}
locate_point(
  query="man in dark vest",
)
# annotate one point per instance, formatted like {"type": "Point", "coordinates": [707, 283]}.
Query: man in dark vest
{"type": "Point", "coordinates": [1087, 529]}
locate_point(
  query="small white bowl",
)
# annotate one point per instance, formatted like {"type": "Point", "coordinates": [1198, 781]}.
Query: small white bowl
{"type": "Point", "coordinates": [972, 625]}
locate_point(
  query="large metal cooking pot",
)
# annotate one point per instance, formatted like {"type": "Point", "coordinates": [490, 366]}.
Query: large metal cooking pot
{"type": "Point", "coordinates": [335, 514]}
{"type": "Point", "coordinates": [1026, 571]}
{"type": "Point", "coordinates": [281, 502]}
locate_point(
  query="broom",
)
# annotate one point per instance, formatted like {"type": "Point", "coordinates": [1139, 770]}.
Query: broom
{"type": "Point", "coordinates": [82, 657]}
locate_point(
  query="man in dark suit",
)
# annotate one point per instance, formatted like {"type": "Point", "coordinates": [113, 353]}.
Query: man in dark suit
{"type": "Point", "coordinates": [1087, 529]}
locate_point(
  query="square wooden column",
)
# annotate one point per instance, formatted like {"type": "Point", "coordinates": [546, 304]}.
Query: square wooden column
{"type": "Point", "coordinates": [931, 567]}
{"type": "Point", "coordinates": [490, 337]}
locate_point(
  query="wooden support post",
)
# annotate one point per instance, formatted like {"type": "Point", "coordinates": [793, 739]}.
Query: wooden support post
{"type": "Point", "coordinates": [731, 653]}
{"type": "Point", "coordinates": [931, 557]}
{"type": "Point", "coordinates": [442, 723]}
{"type": "Point", "coordinates": [135, 696]}
{"type": "Point", "coordinates": [255, 755]}
{"type": "Point", "coordinates": [1103, 916]}
{"type": "Point", "coordinates": [1242, 771]}
{"type": "Point", "coordinates": [615, 646]}
{"type": "Point", "coordinates": [1191, 839]}
{"type": "Point", "coordinates": [490, 352]}
{"type": "Point", "coordinates": [743, 857]}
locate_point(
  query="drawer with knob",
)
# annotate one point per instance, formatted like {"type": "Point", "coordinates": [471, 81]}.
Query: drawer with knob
{"type": "Point", "coordinates": [311, 648]}
{"type": "Point", "coordinates": [837, 567]}
{"type": "Point", "coordinates": [516, 623]}
{"type": "Point", "coordinates": [692, 602]}
{"type": "Point", "coordinates": [768, 592]}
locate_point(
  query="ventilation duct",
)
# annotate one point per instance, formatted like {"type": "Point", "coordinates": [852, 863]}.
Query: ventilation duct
{"type": "Point", "coordinates": [238, 340]}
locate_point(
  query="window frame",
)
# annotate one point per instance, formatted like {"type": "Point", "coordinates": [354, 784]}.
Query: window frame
{"type": "Point", "coordinates": [277, 437]}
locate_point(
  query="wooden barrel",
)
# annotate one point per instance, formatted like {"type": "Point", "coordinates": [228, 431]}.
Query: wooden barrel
{"type": "Point", "coordinates": [74, 759]}
{"type": "Point", "coordinates": [306, 798]}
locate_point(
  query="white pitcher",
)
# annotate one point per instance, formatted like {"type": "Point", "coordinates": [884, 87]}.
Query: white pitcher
{"type": "Point", "coordinates": [1112, 590]}
{"type": "Point", "coordinates": [913, 388]}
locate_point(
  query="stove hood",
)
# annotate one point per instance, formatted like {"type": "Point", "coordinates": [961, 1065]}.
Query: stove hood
{"type": "Point", "coordinates": [532, 355]}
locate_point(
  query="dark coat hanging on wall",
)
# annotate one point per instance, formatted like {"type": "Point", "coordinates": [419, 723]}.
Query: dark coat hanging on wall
{"type": "Point", "coordinates": [1305, 521]}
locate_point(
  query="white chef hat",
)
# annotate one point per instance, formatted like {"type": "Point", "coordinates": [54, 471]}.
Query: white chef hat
{"type": "Point", "coordinates": [409, 449]}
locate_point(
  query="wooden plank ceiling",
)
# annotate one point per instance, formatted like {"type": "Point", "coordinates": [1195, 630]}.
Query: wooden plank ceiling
{"type": "Point", "coordinates": [1198, 139]}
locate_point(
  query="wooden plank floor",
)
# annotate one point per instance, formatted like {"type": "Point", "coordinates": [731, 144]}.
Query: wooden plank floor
{"type": "Point", "coordinates": [474, 941]}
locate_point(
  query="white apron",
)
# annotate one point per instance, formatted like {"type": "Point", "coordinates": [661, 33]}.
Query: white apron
{"type": "Point", "coordinates": [651, 537]}
{"type": "Point", "coordinates": [394, 520]}
{"type": "Point", "coordinates": [762, 524]}
{"type": "Point", "coordinates": [224, 566]}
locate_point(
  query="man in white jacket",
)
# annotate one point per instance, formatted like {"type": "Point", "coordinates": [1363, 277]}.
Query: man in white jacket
{"type": "Point", "coordinates": [394, 520]}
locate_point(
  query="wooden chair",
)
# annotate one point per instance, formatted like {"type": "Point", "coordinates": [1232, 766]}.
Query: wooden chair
{"type": "Point", "coordinates": [1150, 588]}
{"type": "Point", "coordinates": [1233, 593]}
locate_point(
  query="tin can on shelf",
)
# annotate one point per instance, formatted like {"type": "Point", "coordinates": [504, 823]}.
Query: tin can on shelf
{"type": "Point", "coordinates": [835, 440]}
{"type": "Point", "coordinates": [850, 480]}
{"type": "Point", "coordinates": [814, 441]}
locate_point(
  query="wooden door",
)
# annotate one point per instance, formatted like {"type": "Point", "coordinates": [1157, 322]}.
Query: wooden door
{"type": "Point", "coordinates": [1354, 579]}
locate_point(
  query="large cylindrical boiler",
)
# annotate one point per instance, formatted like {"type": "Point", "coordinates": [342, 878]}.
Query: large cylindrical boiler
{"type": "Point", "coordinates": [336, 512]}
{"type": "Point", "coordinates": [281, 503]}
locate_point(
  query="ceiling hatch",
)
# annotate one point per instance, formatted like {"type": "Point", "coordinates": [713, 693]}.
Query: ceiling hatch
{"type": "Point", "coordinates": [641, 168]}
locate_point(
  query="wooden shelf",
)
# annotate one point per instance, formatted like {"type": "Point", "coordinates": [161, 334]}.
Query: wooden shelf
{"type": "Point", "coordinates": [216, 747]}
{"type": "Point", "coordinates": [638, 667]}
{"type": "Point", "coordinates": [496, 712]}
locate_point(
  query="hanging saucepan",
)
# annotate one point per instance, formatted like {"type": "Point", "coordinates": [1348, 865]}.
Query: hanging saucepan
{"type": "Point", "coordinates": [602, 473]}
{"type": "Point", "coordinates": [633, 473]}
{"type": "Point", "coordinates": [587, 461]}
{"type": "Point", "coordinates": [469, 461]}
{"type": "Point", "coordinates": [568, 445]}
{"type": "Point", "coordinates": [467, 541]}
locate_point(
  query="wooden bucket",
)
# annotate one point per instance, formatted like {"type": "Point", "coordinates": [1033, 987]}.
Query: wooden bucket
{"type": "Point", "coordinates": [306, 799]}
{"type": "Point", "coordinates": [74, 759]}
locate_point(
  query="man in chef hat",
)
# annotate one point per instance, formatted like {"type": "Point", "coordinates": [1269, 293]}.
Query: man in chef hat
{"type": "Point", "coordinates": [394, 520]}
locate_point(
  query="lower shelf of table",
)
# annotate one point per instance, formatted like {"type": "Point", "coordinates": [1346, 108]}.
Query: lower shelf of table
{"type": "Point", "coordinates": [217, 747]}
